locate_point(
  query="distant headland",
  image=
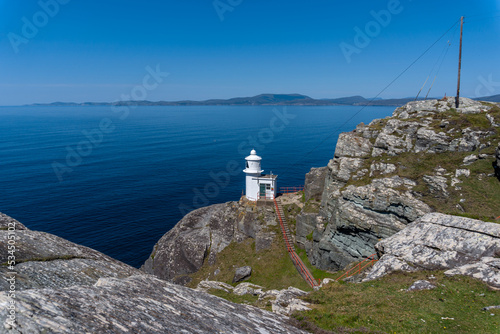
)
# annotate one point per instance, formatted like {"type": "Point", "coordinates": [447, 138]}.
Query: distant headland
{"type": "Point", "coordinates": [264, 99]}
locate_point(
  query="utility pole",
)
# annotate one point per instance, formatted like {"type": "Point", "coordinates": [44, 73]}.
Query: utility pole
{"type": "Point", "coordinates": [457, 98]}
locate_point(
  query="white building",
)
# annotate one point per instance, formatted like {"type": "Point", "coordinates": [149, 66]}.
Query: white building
{"type": "Point", "coordinates": [258, 185]}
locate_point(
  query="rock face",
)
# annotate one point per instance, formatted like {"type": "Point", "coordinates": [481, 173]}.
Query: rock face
{"type": "Point", "coordinates": [205, 232]}
{"type": "Point", "coordinates": [438, 241]}
{"type": "Point", "coordinates": [137, 304]}
{"type": "Point", "coordinates": [62, 287]}
{"type": "Point", "coordinates": [315, 183]}
{"type": "Point", "coordinates": [44, 260]}
{"type": "Point", "coordinates": [364, 200]}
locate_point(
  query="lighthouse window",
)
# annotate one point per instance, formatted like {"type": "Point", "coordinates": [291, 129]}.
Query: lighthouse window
{"type": "Point", "coordinates": [247, 164]}
{"type": "Point", "coordinates": [268, 186]}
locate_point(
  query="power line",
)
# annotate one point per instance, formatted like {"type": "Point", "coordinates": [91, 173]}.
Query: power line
{"type": "Point", "coordinates": [450, 42]}
{"type": "Point", "coordinates": [373, 99]}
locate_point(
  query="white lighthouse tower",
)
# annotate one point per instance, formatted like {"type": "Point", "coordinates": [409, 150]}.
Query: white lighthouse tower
{"type": "Point", "coordinates": [258, 186]}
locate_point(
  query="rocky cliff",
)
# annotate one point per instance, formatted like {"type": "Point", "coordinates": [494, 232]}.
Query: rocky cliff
{"type": "Point", "coordinates": [137, 304]}
{"type": "Point", "coordinates": [44, 260]}
{"type": "Point", "coordinates": [204, 233]}
{"type": "Point", "coordinates": [62, 287]}
{"type": "Point", "coordinates": [389, 173]}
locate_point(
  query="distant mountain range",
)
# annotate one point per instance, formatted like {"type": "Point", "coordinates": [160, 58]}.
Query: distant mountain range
{"type": "Point", "coordinates": [264, 99]}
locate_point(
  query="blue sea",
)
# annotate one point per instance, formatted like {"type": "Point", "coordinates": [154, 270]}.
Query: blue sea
{"type": "Point", "coordinates": [117, 179]}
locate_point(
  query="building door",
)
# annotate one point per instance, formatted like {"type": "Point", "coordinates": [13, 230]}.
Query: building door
{"type": "Point", "coordinates": [262, 190]}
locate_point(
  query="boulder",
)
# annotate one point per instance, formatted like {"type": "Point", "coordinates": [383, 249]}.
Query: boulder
{"type": "Point", "coordinates": [442, 242]}
{"type": "Point", "coordinates": [288, 301]}
{"type": "Point", "coordinates": [462, 172]}
{"type": "Point", "coordinates": [470, 159]}
{"type": "Point", "coordinates": [421, 285]}
{"type": "Point", "coordinates": [242, 273]}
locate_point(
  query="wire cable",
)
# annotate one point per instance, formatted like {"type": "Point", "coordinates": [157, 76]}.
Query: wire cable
{"type": "Point", "coordinates": [374, 98]}
{"type": "Point", "coordinates": [439, 61]}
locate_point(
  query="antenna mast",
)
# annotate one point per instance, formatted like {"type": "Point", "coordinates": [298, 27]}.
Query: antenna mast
{"type": "Point", "coordinates": [457, 98]}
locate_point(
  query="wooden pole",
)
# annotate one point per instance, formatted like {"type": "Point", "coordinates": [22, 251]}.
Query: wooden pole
{"type": "Point", "coordinates": [457, 98]}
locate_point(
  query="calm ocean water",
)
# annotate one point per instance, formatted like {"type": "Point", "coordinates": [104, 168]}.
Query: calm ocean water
{"type": "Point", "coordinates": [118, 182]}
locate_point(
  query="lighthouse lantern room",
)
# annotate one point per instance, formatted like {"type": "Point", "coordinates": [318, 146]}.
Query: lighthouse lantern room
{"type": "Point", "coordinates": [258, 185]}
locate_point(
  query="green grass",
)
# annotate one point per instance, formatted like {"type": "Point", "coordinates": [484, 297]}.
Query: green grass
{"type": "Point", "coordinates": [311, 206]}
{"type": "Point", "coordinates": [271, 268]}
{"type": "Point", "coordinates": [384, 306]}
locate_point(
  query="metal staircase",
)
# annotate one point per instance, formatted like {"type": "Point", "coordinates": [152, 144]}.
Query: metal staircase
{"type": "Point", "coordinates": [301, 268]}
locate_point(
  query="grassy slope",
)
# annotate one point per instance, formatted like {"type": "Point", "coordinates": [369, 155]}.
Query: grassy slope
{"type": "Point", "coordinates": [271, 268]}
{"type": "Point", "coordinates": [384, 305]}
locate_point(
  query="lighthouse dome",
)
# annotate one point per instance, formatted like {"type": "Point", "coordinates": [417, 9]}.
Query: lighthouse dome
{"type": "Point", "coordinates": [253, 156]}
{"type": "Point", "coordinates": [253, 163]}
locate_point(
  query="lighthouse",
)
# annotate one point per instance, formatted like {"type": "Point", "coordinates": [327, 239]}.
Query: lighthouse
{"type": "Point", "coordinates": [258, 185]}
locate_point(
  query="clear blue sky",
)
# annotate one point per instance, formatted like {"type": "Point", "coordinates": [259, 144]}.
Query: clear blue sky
{"type": "Point", "coordinates": [98, 50]}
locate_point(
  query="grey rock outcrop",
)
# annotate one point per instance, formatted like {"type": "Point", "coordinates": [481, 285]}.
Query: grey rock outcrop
{"type": "Point", "coordinates": [315, 183]}
{"type": "Point", "coordinates": [248, 289]}
{"type": "Point", "coordinates": [242, 273]}
{"type": "Point", "coordinates": [428, 107]}
{"type": "Point", "coordinates": [438, 185]}
{"type": "Point", "coordinates": [215, 285]}
{"type": "Point", "coordinates": [138, 304]}
{"type": "Point", "coordinates": [283, 302]}
{"type": "Point", "coordinates": [438, 241]}
{"type": "Point", "coordinates": [44, 260]}
{"type": "Point", "coordinates": [62, 287]}
{"type": "Point", "coordinates": [7, 222]}
{"type": "Point", "coordinates": [364, 200]}
{"type": "Point", "coordinates": [360, 216]}
{"type": "Point", "coordinates": [487, 270]}
{"type": "Point", "coordinates": [421, 285]}
{"type": "Point", "coordinates": [205, 232]}
{"type": "Point", "coordinates": [288, 301]}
